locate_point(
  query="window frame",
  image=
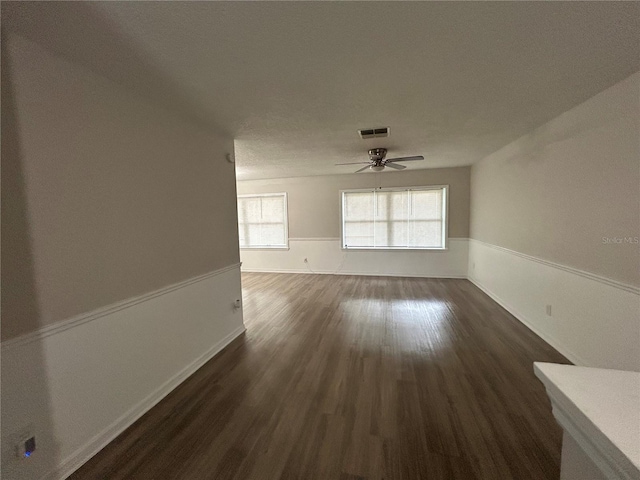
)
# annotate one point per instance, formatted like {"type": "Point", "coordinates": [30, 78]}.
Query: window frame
{"type": "Point", "coordinates": [445, 220]}
{"type": "Point", "coordinates": [286, 221]}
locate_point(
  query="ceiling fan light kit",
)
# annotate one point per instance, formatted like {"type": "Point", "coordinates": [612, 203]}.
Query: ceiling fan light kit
{"type": "Point", "coordinates": [378, 161]}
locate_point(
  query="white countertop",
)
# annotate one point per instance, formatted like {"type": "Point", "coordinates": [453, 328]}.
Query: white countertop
{"type": "Point", "coordinates": [601, 409]}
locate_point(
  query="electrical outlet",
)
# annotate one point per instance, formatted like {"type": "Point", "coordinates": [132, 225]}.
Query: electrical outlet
{"type": "Point", "coordinates": [548, 309]}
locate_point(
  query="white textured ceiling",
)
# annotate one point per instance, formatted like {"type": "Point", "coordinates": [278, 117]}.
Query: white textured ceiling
{"type": "Point", "coordinates": [292, 82]}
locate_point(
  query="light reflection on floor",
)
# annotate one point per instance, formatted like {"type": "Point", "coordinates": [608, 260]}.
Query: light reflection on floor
{"type": "Point", "coordinates": [401, 319]}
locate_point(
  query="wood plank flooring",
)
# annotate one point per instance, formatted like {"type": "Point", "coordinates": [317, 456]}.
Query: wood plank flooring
{"type": "Point", "coordinates": [342, 377]}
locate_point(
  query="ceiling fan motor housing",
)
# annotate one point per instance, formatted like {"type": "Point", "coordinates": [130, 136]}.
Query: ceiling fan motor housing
{"type": "Point", "coordinates": [377, 155]}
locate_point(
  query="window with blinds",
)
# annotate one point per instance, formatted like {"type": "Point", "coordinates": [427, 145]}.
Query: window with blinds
{"type": "Point", "coordinates": [262, 220]}
{"type": "Point", "coordinates": [395, 218]}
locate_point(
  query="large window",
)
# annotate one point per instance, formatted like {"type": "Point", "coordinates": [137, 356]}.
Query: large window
{"type": "Point", "coordinates": [262, 220]}
{"type": "Point", "coordinates": [395, 218]}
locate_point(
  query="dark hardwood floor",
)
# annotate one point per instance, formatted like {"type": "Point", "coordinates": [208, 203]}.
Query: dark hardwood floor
{"type": "Point", "coordinates": [342, 377]}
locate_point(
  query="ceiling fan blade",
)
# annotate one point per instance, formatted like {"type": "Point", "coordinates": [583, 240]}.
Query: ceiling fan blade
{"type": "Point", "coordinates": [362, 169]}
{"type": "Point", "coordinates": [394, 166]}
{"type": "Point", "coordinates": [405, 159]}
{"type": "Point", "coordinates": [353, 163]}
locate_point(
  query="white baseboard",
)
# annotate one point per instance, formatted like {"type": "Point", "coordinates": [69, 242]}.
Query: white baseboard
{"type": "Point", "coordinates": [292, 270]}
{"type": "Point", "coordinates": [127, 357]}
{"type": "Point", "coordinates": [102, 439]}
{"type": "Point", "coordinates": [360, 274]}
{"type": "Point", "coordinates": [79, 384]}
{"type": "Point", "coordinates": [594, 322]}
{"type": "Point", "coordinates": [325, 256]}
{"type": "Point", "coordinates": [530, 325]}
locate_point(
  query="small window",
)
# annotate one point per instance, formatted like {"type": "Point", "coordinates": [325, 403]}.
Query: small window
{"type": "Point", "coordinates": [395, 218]}
{"type": "Point", "coordinates": [262, 220]}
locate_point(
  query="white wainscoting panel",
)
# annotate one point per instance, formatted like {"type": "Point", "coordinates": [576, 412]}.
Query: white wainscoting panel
{"type": "Point", "coordinates": [325, 256]}
{"type": "Point", "coordinates": [594, 322]}
{"type": "Point", "coordinates": [80, 383]}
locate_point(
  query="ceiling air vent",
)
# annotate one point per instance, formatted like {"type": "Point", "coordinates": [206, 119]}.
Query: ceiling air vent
{"type": "Point", "coordinates": [374, 132]}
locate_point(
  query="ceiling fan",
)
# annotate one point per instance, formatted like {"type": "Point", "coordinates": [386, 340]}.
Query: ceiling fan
{"type": "Point", "coordinates": [377, 161]}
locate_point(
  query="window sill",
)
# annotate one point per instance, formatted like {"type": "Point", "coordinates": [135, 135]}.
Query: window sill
{"type": "Point", "coordinates": [265, 248]}
{"type": "Point", "coordinates": [383, 249]}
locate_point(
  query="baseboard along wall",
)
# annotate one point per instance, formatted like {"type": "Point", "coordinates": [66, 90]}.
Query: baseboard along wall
{"type": "Point", "coordinates": [128, 356]}
{"type": "Point", "coordinates": [593, 321]}
{"type": "Point", "coordinates": [326, 256]}
{"type": "Point", "coordinates": [78, 384]}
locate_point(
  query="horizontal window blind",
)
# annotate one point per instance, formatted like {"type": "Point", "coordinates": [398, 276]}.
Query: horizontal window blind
{"type": "Point", "coordinates": [394, 218]}
{"type": "Point", "coordinates": [262, 220]}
